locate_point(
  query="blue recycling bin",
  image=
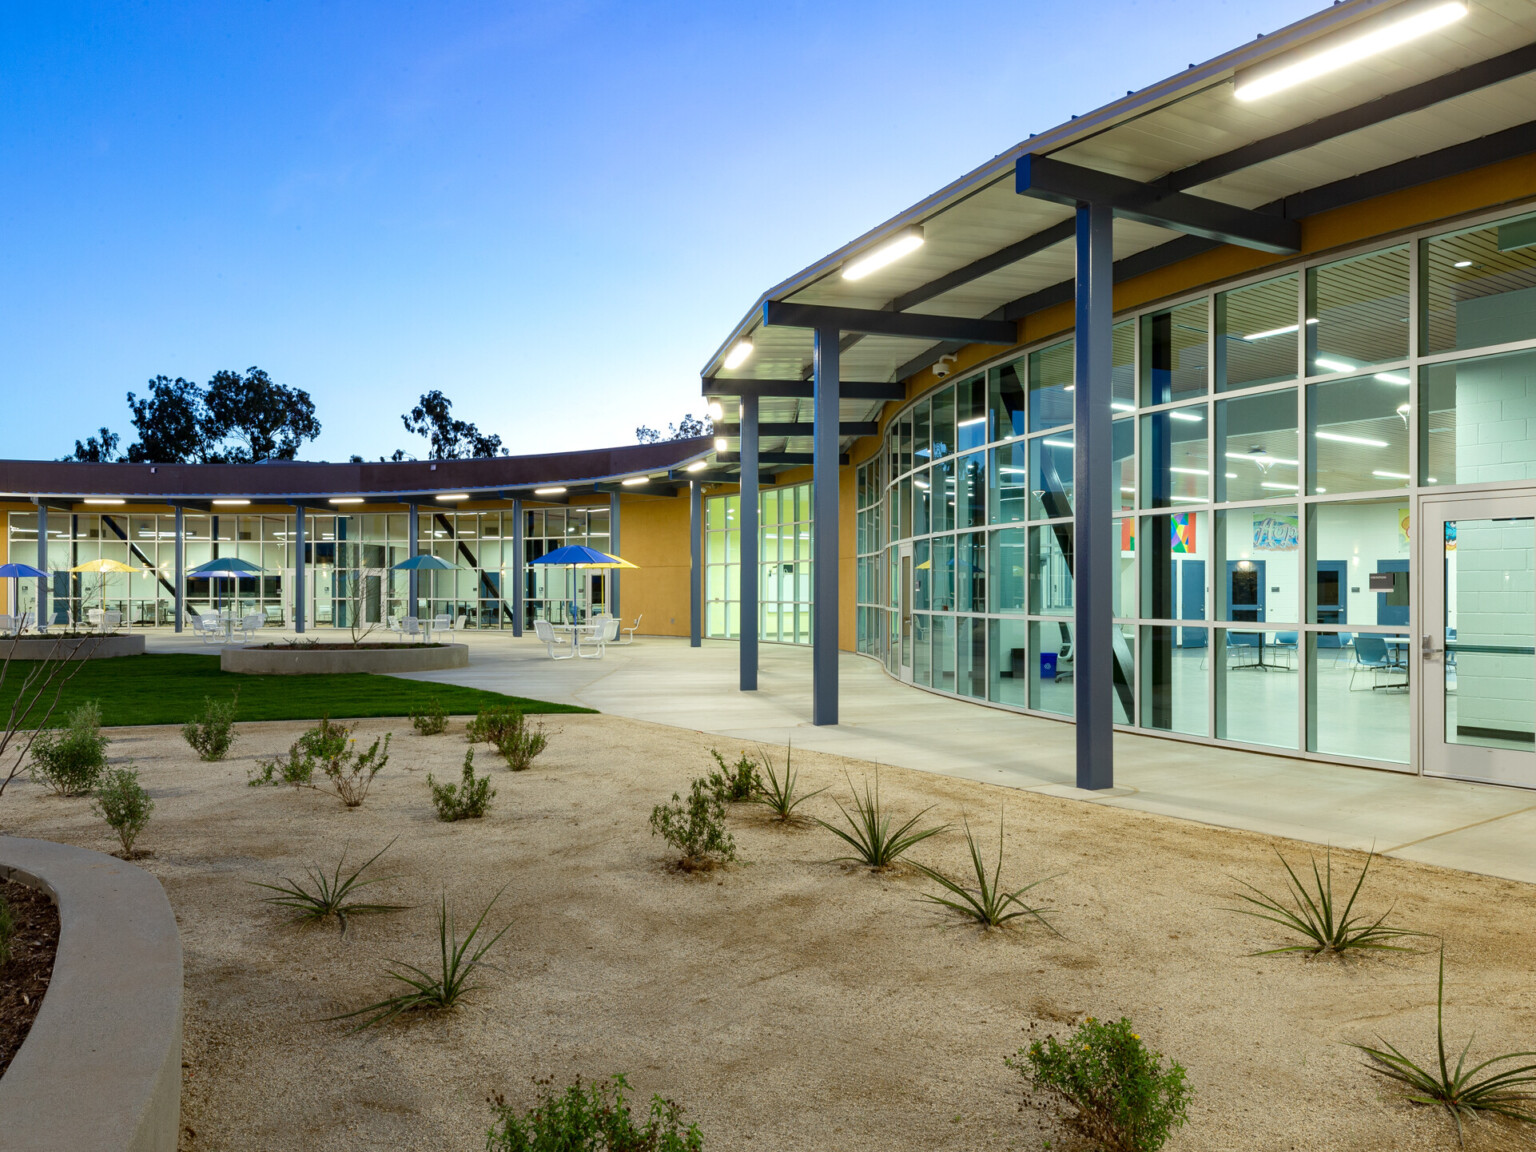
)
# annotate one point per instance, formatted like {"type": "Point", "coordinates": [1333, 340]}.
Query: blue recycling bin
{"type": "Point", "coordinates": [1047, 665]}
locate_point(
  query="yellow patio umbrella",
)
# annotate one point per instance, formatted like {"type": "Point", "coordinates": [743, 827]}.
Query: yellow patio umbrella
{"type": "Point", "coordinates": [101, 567]}
{"type": "Point", "coordinates": [610, 562]}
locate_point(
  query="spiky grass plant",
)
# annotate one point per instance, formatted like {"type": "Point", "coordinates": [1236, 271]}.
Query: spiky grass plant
{"type": "Point", "coordinates": [1463, 1092]}
{"type": "Point", "coordinates": [329, 895]}
{"type": "Point", "coordinates": [1315, 915]}
{"type": "Point", "coordinates": [870, 835]}
{"type": "Point", "coordinates": [779, 796]}
{"type": "Point", "coordinates": [987, 903]}
{"type": "Point", "coordinates": [440, 990]}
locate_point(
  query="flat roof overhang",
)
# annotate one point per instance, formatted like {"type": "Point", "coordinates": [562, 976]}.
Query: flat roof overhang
{"type": "Point", "coordinates": [1453, 101]}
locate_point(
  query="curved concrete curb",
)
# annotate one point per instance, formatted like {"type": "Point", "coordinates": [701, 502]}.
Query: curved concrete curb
{"type": "Point", "coordinates": [76, 648]}
{"type": "Point", "coordinates": [101, 1068]}
{"type": "Point", "coordinates": [310, 662]}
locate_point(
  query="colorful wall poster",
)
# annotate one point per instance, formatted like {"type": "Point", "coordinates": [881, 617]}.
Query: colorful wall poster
{"type": "Point", "coordinates": [1183, 533]}
{"type": "Point", "coordinates": [1403, 535]}
{"type": "Point", "coordinates": [1275, 533]}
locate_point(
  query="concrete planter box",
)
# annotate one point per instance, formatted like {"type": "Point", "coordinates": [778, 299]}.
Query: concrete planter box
{"type": "Point", "coordinates": [74, 647]}
{"type": "Point", "coordinates": [309, 662]}
{"type": "Point", "coordinates": [101, 1067]}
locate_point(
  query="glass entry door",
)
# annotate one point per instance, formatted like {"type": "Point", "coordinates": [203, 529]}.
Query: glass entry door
{"type": "Point", "coordinates": [1477, 642]}
{"type": "Point", "coordinates": [904, 609]}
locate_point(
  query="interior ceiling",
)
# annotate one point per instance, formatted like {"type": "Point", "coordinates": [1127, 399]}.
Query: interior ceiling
{"type": "Point", "coordinates": [1176, 127]}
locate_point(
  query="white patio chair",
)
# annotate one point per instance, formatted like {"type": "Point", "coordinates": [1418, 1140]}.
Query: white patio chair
{"type": "Point", "coordinates": [10, 625]}
{"type": "Point", "coordinates": [557, 648]}
{"type": "Point", "coordinates": [442, 622]}
{"type": "Point", "coordinates": [392, 623]}
{"type": "Point", "coordinates": [111, 621]}
{"type": "Point", "coordinates": [208, 627]}
{"type": "Point", "coordinates": [629, 637]}
{"type": "Point", "coordinates": [597, 637]}
{"type": "Point", "coordinates": [461, 623]}
{"type": "Point", "coordinates": [93, 618]}
{"type": "Point", "coordinates": [410, 626]}
{"type": "Point", "coordinates": [252, 623]}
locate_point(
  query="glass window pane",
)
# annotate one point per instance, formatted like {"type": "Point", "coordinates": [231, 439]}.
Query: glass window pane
{"type": "Point", "coordinates": [1473, 419]}
{"type": "Point", "coordinates": [1050, 476]}
{"type": "Point", "coordinates": [1490, 626]}
{"type": "Point", "coordinates": [941, 513]}
{"type": "Point", "coordinates": [1010, 487]}
{"type": "Point", "coordinates": [971, 413]}
{"type": "Point", "coordinates": [1006, 404]}
{"type": "Point", "coordinates": [921, 494]}
{"type": "Point", "coordinates": [1050, 387]}
{"type": "Point", "coordinates": [1373, 725]}
{"type": "Point", "coordinates": [1480, 286]}
{"type": "Point", "coordinates": [1008, 567]}
{"type": "Point", "coordinates": [1050, 680]}
{"type": "Point", "coordinates": [921, 447]}
{"type": "Point", "coordinates": [1174, 354]}
{"type": "Point", "coordinates": [1359, 431]}
{"type": "Point", "coordinates": [971, 572]}
{"type": "Point", "coordinates": [971, 493]}
{"type": "Point", "coordinates": [922, 569]}
{"type": "Point", "coordinates": [943, 629]}
{"type": "Point", "coordinates": [1261, 549]}
{"type": "Point", "coordinates": [922, 651]}
{"type": "Point", "coordinates": [971, 656]}
{"type": "Point", "coordinates": [1256, 437]}
{"type": "Point", "coordinates": [941, 574]}
{"type": "Point", "coordinates": [1357, 312]}
{"type": "Point", "coordinates": [942, 422]}
{"type": "Point", "coordinates": [1125, 567]}
{"type": "Point", "coordinates": [1175, 457]}
{"type": "Point", "coordinates": [904, 443]}
{"type": "Point", "coordinates": [1123, 464]}
{"type": "Point", "coordinates": [1122, 372]}
{"type": "Point", "coordinates": [1008, 660]}
{"type": "Point", "coordinates": [1173, 550]}
{"type": "Point", "coordinates": [1351, 543]}
{"type": "Point", "coordinates": [1050, 563]}
{"type": "Point", "coordinates": [1256, 331]}
{"type": "Point", "coordinates": [1174, 679]}
{"type": "Point", "coordinates": [1257, 700]}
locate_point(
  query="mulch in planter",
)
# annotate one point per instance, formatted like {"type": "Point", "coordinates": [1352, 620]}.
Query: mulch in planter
{"type": "Point", "coordinates": [24, 977]}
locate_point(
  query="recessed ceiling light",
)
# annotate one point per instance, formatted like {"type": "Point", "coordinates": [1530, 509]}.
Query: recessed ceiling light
{"type": "Point", "coordinates": [1266, 334]}
{"type": "Point", "coordinates": [452, 496]}
{"type": "Point", "coordinates": [1343, 439]}
{"type": "Point", "coordinates": [345, 500]}
{"type": "Point", "coordinates": [631, 481]}
{"type": "Point", "coordinates": [549, 491]}
{"type": "Point", "coordinates": [103, 501]}
{"type": "Point", "coordinates": [738, 355]}
{"type": "Point", "coordinates": [1391, 475]}
{"type": "Point", "coordinates": [716, 410]}
{"type": "Point", "coordinates": [892, 250]}
{"type": "Point", "coordinates": [698, 466]}
{"type": "Point", "coordinates": [229, 502]}
{"type": "Point", "coordinates": [1332, 365]}
{"type": "Point", "coordinates": [1462, 264]}
{"type": "Point", "coordinates": [1393, 378]}
{"type": "Point", "coordinates": [720, 444]}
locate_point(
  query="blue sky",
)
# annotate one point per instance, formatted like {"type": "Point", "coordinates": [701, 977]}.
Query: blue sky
{"type": "Point", "coordinates": [552, 211]}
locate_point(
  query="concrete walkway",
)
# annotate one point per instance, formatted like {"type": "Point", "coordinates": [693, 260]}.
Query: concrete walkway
{"type": "Point", "coordinates": [1475, 827]}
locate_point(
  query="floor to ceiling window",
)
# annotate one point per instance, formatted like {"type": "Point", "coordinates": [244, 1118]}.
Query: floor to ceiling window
{"type": "Point", "coordinates": [784, 572]}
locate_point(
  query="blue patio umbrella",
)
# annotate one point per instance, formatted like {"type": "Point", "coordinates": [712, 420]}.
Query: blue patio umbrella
{"type": "Point", "coordinates": [226, 566]}
{"type": "Point", "coordinates": [16, 572]}
{"type": "Point", "coordinates": [577, 556]}
{"type": "Point", "coordinates": [425, 563]}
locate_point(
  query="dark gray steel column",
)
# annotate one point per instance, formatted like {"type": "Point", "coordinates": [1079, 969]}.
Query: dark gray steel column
{"type": "Point", "coordinates": [1092, 645]}
{"type": "Point", "coordinates": [613, 550]}
{"type": "Point", "coordinates": [413, 543]}
{"type": "Point", "coordinates": [298, 569]}
{"type": "Point", "coordinates": [749, 541]}
{"type": "Point", "coordinates": [517, 566]}
{"type": "Point", "coordinates": [824, 519]}
{"type": "Point", "coordinates": [695, 563]}
{"type": "Point", "coordinates": [42, 564]}
{"type": "Point", "coordinates": [179, 551]}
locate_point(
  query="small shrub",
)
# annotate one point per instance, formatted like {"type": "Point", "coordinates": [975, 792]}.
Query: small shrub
{"type": "Point", "coordinates": [988, 904]}
{"type": "Point", "coordinates": [329, 895]}
{"type": "Point", "coordinates": [505, 728]}
{"type": "Point", "coordinates": [1462, 1092]}
{"type": "Point", "coordinates": [779, 796]}
{"type": "Point", "coordinates": [1315, 916]}
{"type": "Point", "coordinates": [595, 1118]}
{"type": "Point", "coordinates": [7, 931]}
{"type": "Point", "coordinates": [870, 835]}
{"type": "Point", "coordinates": [124, 804]}
{"type": "Point", "coordinates": [695, 827]}
{"type": "Point", "coordinates": [437, 991]}
{"type": "Point", "coordinates": [349, 771]}
{"type": "Point", "coordinates": [489, 723]}
{"type": "Point", "coordinates": [432, 720]}
{"type": "Point", "coordinates": [295, 769]}
{"type": "Point", "coordinates": [71, 760]}
{"type": "Point", "coordinates": [736, 783]}
{"type": "Point", "coordinates": [1126, 1100]}
{"type": "Point", "coordinates": [468, 799]}
{"type": "Point", "coordinates": [212, 733]}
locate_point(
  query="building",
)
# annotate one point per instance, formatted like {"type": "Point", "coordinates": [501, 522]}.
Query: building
{"type": "Point", "coordinates": [1209, 414]}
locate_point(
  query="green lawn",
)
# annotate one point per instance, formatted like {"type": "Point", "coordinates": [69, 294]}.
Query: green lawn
{"type": "Point", "coordinates": [169, 689]}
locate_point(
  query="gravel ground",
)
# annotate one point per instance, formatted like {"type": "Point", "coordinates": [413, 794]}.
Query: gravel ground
{"type": "Point", "coordinates": [788, 1002]}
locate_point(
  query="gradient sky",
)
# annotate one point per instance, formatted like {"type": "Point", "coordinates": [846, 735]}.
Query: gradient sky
{"type": "Point", "coordinates": [552, 211]}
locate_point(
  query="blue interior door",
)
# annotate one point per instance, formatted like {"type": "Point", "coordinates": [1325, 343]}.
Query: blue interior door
{"type": "Point", "coordinates": [1245, 590]}
{"type": "Point", "coordinates": [1332, 599]}
{"type": "Point", "coordinates": [1392, 607]}
{"type": "Point", "coordinates": [1192, 602]}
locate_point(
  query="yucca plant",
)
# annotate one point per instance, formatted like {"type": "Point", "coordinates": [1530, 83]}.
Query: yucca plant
{"type": "Point", "coordinates": [334, 895]}
{"type": "Point", "coordinates": [871, 837]}
{"type": "Point", "coordinates": [779, 796]}
{"type": "Point", "coordinates": [987, 903]}
{"type": "Point", "coordinates": [438, 991]}
{"type": "Point", "coordinates": [1315, 915]}
{"type": "Point", "coordinates": [1463, 1092]}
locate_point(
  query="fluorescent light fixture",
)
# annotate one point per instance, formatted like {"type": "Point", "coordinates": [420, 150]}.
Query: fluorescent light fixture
{"type": "Point", "coordinates": [1393, 378]}
{"type": "Point", "coordinates": [738, 355]}
{"type": "Point", "coordinates": [549, 491]}
{"type": "Point", "coordinates": [1276, 485]}
{"type": "Point", "coordinates": [631, 481]}
{"type": "Point", "coordinates": [1067, 444]}
{"type": "Point", "coordinates": [449, 497]}
{"type": "Point", "coordinates": [1259, 458]}
{"type": "Point", "coordinates": [1231, 475]}
{"type": "Point", "coordinates": [1267, 333]}
{"type": "Point", "coordinates": [1190, 471]}
{"type": "Point", "coordinates": [892, 250]}
{"type": "Point", "coordinates": [1322, 490]}
{"type": "Point", "coordinates": [345, 500]}
{"type": "Point", "coordinates": [1390, 475]}
{"type": "Point", "coordinates": [1412, 21]}
{"type": "Point", "coordinates": [1187, 417]}
{"type": "Point", "coordinates": [923, 484]}
{"type": "Point", "coordinates": [1333, 365]}
{"type": "Point", "coordinates": [1343, 439]}
{"type": "Point", "coordinates": [696, 466]}
{"type": "Point", "coordinates": [716, 410]}
{"type": "Point", "coordinates": [720, 444]}
{"type": "Point", "coordinates": [1122, 406]}
{"type": "Point", "coordinates": [1462, 264]}
{"type": "Point", "coordinates": [1187, 499]}
{"type": "Point", "coordinates": [1123, 488]}
{"type": "Point", "coordinates": [1070, 388]}
{"type": "Point", "coordinates": [231, 502]}
{"type": "Point", "coordinates": [103, 501]}
{"type": "Point", "coordinates": [973, 420]}
{"type": "Point", "coordinates": [1431, 480]}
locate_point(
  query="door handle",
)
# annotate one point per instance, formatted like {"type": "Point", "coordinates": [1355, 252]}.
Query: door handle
{"type": "Point", "coordinates": [1427, 647]}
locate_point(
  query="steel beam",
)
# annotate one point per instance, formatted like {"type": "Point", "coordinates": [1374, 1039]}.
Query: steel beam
{"type": "Point", "coordinates": [1092, 645]}
{"type": "Point", "coordinates": [844, 428]}
{"type": "Point", "coordinates": [298, 567]}
{"type": "Point", "coordinates": [42, 565]}
{"type": "Point", "coordinates": [517, 566]}
{"type": "Point", "coordinates": [802, 390]}
{"type": "Point", "coordinates": [775, 458]}
{"type": "Point", "coordinates": [748, 430]}
{"type": "Point", "coordinates": [873, 322]}
{"type": "Point", "coordinates": [695, 563]}
{"type": "Point", "coordinates": [413, 544]}
{"type": "Point", "coordinates": [824, 533]}
{"type": "Point", "coordinates": [1046, 178]}
{"type": "Point", "coordinates": [613, 550]}
{"type": "Point", "coordinates": [179, 551]}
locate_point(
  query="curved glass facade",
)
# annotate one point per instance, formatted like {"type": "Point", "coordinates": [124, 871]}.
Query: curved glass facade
{"type": "Point", "coordinates": [1271, 438]}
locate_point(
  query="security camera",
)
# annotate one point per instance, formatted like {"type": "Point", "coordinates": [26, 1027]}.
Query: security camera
{"type": "Point", "coordinates": [942, 368]}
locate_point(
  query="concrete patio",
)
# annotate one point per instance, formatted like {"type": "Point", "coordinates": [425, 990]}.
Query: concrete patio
{"type": "Point", "coordinates": [1475, 827]}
